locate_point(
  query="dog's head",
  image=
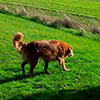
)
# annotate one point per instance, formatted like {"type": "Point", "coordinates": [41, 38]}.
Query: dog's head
{"type": "Point", "coordinates": [69, 52]}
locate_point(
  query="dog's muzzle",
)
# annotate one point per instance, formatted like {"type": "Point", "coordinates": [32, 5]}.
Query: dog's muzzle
{"type": "Point", "coordinates": [71, 54]}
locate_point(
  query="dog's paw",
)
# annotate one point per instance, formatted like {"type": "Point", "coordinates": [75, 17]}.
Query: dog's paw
{"type": "Point", "coordinates": [47, 72]}
{"type": "Point", "coordinates": [67, 69]}
{"type": "Point", "coordinates": [31, 75]}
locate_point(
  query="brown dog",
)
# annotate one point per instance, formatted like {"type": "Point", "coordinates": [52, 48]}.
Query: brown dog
{"type": "Point", "coordinates": [49, 50]}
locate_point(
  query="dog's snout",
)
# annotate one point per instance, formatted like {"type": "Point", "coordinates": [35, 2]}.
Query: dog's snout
{"type": "Point", "coordinates": [71, 54]}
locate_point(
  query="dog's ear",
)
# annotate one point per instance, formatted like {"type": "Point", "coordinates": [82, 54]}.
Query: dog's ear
{"type": "Point", "coordinates": [67, 52]}
{"type": "Point", "coordinates": [70, 47]}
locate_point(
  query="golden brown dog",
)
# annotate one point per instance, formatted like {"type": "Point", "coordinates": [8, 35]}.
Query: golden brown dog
{"type": "Point", "coordinates": [49, 50]}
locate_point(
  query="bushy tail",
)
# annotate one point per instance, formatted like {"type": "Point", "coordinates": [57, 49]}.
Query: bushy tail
{"type": "Point", "coordinates": [17, 41]}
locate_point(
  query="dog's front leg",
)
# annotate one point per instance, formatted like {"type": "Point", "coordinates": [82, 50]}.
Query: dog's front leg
{"type": "Point", "coordinates": [22, 65]}
{"type": "Point", "coordinates": [46, 67]}
{"type": "Point", "coordinates": [62, 64]}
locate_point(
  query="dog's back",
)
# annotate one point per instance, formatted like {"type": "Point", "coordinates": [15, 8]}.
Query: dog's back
{"type": "Point", "coordinates": [46, 49]}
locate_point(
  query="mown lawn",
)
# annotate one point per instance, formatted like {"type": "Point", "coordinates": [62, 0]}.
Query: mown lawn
{"type": "Point", "coordinates": [80, 7]}
{"type": "Point", "coordinates": [82, 82]}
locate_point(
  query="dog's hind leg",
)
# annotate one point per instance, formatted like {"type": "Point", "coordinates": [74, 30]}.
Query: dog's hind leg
{"type": "Point", "coordinates": [32, 66]}
{"type": "Point", "coordinates": [22, 65]}
{"type": "Point", "coordinates": [62, 64]}
{"type": "Point", "coordinates": [46, 67]}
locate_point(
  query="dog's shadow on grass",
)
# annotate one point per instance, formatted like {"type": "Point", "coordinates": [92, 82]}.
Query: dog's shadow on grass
{"type": "Point", "coordinates": [64, 94]}
{"type": "Point", "coordinates": [19, 77]}
{"type": "Point", "coordinates": [14, 78]}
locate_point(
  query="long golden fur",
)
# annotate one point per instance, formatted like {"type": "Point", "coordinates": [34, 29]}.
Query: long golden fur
{"type": "Point", "coordinates": [49, 50]}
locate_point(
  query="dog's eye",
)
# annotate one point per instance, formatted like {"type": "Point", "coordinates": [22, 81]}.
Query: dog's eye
{"type": "Point", "coordinates": [67, 52]}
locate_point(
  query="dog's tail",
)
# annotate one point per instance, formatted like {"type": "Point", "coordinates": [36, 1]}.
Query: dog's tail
{"type": "Point", "coordinates": [17, 41]}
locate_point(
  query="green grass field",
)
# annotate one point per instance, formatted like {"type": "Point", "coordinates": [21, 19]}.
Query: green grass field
{"type": "Point", "coordinates": [80, 7]}
{"type": "Point", "coordinates": [81, 83]}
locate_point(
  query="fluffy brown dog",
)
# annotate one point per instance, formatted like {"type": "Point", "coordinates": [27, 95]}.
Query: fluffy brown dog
{"type": "Point", "coordinates": [49, 50]}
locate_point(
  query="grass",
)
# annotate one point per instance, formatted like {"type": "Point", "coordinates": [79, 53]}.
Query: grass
{"type": "Point", "coordinates": [81, 83]}
{"type": "Point", "coordinates": [83, 12]}
{"type": "Point", "coordinates": [80, 7]}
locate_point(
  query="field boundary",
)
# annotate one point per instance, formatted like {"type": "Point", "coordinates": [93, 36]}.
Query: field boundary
{"type": "Point", "coordinates": [53, 18]}
{"type": "Point", "coordinates": [25, 5]}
